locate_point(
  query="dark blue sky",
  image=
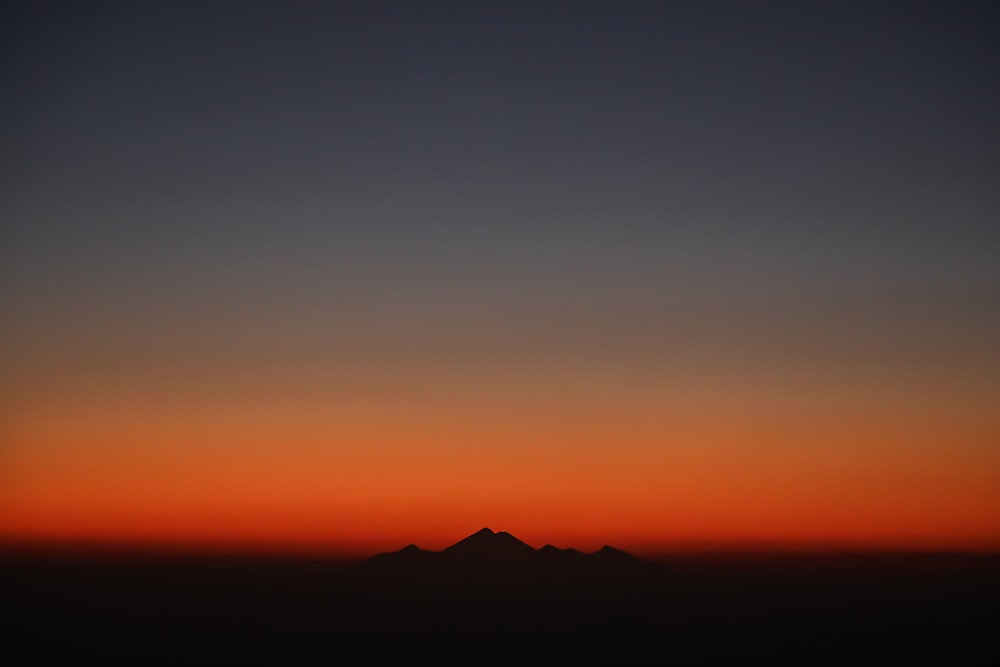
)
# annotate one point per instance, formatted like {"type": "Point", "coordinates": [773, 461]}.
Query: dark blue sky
{"type": "Point", "coordinates": [294, 173]}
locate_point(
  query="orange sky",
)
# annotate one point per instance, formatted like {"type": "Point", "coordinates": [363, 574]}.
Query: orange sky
{"type": "Point", "coordinates": [640, 459]}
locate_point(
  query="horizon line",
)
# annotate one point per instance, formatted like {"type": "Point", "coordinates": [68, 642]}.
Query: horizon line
{"type": "Point", "coordinates": [10, 545]}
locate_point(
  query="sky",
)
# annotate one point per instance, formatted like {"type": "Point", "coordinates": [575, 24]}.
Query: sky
{"type": "Point", "coordinates": [665, 275]}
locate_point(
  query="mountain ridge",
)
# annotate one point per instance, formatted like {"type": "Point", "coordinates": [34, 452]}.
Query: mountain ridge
{"type": "Point", "coordinates": [486, 557]}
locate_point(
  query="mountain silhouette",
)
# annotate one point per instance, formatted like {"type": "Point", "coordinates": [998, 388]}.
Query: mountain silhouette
{"type": "Point", "coordinates": [486, 557]}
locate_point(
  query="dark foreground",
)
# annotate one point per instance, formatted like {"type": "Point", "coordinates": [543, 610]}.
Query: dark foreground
{"type": "Point", "coordinates": [804, 610]}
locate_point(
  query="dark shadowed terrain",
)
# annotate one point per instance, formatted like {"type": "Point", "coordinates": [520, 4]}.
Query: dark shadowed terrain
{"type": "Point", "coordinates": [492, 598]}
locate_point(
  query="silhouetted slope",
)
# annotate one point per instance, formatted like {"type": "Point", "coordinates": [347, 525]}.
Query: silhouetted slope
{"type": "Point", "coordinates": [411, 559]}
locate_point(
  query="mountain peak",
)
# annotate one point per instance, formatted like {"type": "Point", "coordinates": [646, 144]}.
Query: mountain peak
{"type": "Point", "coordinates": [609, 552]}
{"type": "Point", "coordinates": [487, 544]}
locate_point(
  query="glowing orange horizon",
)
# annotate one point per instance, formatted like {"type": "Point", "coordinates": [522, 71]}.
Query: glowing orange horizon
{"type": "Point", "coordinates": [382, 496]}
{"type": "Point", "coordinates": [625, 458]}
